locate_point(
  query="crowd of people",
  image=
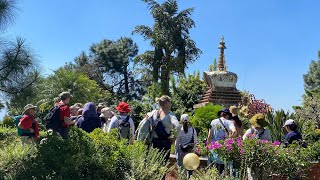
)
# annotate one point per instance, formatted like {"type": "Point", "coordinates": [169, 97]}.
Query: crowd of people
{"type": "Point", "coordinates": [165, 128]}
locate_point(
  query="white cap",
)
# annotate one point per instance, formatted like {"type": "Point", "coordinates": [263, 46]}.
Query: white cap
{"type": "Point", "coordinates": [289, 122]}
{"type": "Point", "coordinates": [184, 117]}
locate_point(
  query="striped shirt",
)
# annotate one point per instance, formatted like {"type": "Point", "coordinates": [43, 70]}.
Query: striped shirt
{"type": "Point", "coordinates": [184, 138]}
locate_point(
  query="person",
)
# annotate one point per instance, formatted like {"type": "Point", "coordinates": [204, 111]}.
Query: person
{"type": "Point", "coordinates": [186, 140]}
{"type": "Point", "coordinates": [163, 122]}
{"type": "Point", "coordinates": [29, 124]}
{"type": "Point", "coordinates": [106, 115]}
{"type": "Point", "coordinates": [123, 122]}
{"type": "Point", "coordinates": [74, 111]}
{"type": "Point", "coordinates": [89, 119]}
{"type": "Point", "coordinates": [64, 115]}
{"type": "Point", "coordinates": [221, 128]}
{"type": "Point", "coordinates": [99, 108]}
{"type": "Point", "coordinates": [237, 122]}
{"type": "Point", "coordinates": [292, 135]}
{"type": "Point", "coordinates": [257, 130]}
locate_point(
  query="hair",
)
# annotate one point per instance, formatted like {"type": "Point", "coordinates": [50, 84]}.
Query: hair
{"type": "Point", "coordinates": [237, 121]}
{"type": "Point", "coordinates": [185, 126]}
{"type": "Point", "coordinates": [163, 100]}
{"type": "Point", "coordinates": [292, 127]}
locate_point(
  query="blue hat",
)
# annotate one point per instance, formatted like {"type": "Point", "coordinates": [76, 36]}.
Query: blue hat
{"type": "Point", "coordinates": [225, 110]}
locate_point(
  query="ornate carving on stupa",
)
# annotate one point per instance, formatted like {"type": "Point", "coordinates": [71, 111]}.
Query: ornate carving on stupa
{"type": "Point", "coordinates": [221, 83]}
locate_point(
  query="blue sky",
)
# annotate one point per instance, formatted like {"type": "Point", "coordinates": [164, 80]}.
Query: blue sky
{"type": "Point", "coordinates": [270, 44]}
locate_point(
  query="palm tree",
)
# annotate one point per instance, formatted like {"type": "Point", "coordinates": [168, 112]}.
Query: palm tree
{"type": "Point", "coordinates": [169, 35]}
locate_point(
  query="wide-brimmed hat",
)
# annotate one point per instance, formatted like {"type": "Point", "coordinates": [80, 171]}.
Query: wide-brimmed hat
{"type": "Point", "coordinates": [106, 112]}
{"type": "Point", "coordinates": [123, 107]}
{"type": "Point", "coordinates": [259, 120]}
{"type": "Point", "coordinates": [224, 110]}
{"type": "Point", "coordinates": [29, 106]}
{"type": "Point", "coordinates": [234, 110]}
{"type": "Point", "coordinates": [184, 117]}
{"type": "Point", "coordinates": [65, 95]}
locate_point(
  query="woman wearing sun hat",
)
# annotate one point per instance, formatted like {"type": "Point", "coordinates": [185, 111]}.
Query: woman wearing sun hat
{"type": "Point", "coordinates": [123, 122]}
{"type": "Point", "coordinates": [257, 130]}
{"type": "Point", "coordinates": [28, 122]}
{"type": "Point", "coordinates": [237, 122]}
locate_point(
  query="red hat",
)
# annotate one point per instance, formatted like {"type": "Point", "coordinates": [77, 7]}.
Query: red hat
{"type": "Point", "coordinates": [123, 107]}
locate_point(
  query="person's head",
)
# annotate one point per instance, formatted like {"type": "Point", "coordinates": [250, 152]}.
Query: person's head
{"type": "Point", "coordinates": [123, 108]}
{"type": "Point", "coordinates": [164, 102]}
{"type": "Point", "coordinates": [100, 107]}
{"type": "Point", "coordinates": [225, 113]}
{"type": "Point", "coordinates": [65, 97]}
{"type": "Point", "coordinates": [106, 113]}
{"type": "Point", "coordinates": [258, 121]}
{"type": "Point", "coordinates": [30, 109]}
{"type": "Point", "coordinates": [290, 125]}
{"type": "Point", "coordinates": [74, 110]}
{"type": "Point", "coordinates": [184, 119]}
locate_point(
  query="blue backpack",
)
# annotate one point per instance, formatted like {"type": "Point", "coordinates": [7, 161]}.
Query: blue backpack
{"type": "Point", "coordinates": [21, 132]}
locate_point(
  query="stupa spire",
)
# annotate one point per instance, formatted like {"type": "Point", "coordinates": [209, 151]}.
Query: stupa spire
{"type": "Point", "coordinates": [222, 63]}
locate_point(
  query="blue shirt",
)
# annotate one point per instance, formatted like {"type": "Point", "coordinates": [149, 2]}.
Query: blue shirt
{"type": "Point", "coordinates": [293, 136]}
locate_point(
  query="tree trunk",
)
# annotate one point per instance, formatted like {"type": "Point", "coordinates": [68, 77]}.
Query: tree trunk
{"type": "Point", "coordinates": [165, 78]}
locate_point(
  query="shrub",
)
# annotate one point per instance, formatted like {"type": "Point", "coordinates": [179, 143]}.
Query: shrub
{"type": "Point", "coordinates": [8, 121]}
{"type": "Point", "coordinates": [202, 118]}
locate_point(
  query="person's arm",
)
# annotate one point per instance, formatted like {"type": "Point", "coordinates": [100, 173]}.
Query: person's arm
{"type": "Point", "coordinates": [209, 137]}
{"type": "Point", "coordinates": [233, 130]}
{"type": "Point", "coordinates": [67, 120]}
{"type": "Point", "coordinates": [248, 133]}
{"type": "Point", "coordinates": [195, 137]}
{"type": "Point", "coordinates": [132, 130]}
{"type": "Point", "coordinates": [177, 143]}
{"type": "Point", "coordinates": [176, 125]}
{"type": "Point", "coordinates": [112, 124]}
{"type": "Point", "coordinates": [269, 138]}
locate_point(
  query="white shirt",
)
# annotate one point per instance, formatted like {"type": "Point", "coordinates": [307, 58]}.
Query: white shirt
{"type": "Point", "coordinates": [114, 123]}
{"type": "Point", "coordinates": [184, 138]}
{"type": "Point", "coordinates": [218, 132]}
{"type": "Point", "coordinates": [252, 131]}
{"type": "Point", "coordinates": [170, 122]}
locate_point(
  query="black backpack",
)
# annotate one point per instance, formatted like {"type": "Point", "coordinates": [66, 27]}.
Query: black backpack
{"type": "Point", "coordinates": [123, 127]}
{"type": "Point", "coordinates": [52, 119]}
{"type": "Point", "coordinates": [160, 129]}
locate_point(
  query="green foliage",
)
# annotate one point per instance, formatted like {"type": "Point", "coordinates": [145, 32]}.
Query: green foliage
{"type": "Point", "coordinates": [169, 35]}
{"type": "Point", "coordinates": [7, 134]}
{"type": "Point", "coordinates": [8, 121]}
{"type": "Point", "coordinates": [187, 93]}
{"type": "Point", "coordinates": [312, 78]}
{"type": "Point", "coordinates": [146, 164]}
{"type": "Point", "coordinates": [308, 118]}
{"type": "Point", "coordinates": [277, 120]}
{"type": "Point", "coordinates": [202, 118]}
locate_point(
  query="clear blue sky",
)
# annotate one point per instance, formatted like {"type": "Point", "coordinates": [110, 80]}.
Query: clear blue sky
{"type": "Point", "coordinates": [270, 43]}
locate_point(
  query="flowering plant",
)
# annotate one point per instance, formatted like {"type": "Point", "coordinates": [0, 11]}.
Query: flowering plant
{"type": "Point", "coordinates": [254, 151]}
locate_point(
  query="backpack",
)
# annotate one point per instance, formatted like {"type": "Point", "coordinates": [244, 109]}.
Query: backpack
{"type": "Point", "coordinates": [52, 119]}
{"type": "Point", "coordinates": [123, 127]}
{"type": "Point", "coordinates": [160, 129]}
{"type": "Point", "coordinates": [22, 132]}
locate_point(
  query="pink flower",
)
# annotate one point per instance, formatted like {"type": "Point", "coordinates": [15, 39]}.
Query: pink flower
{"type": "Point", "coordinates": [229, 148]}
{"type": "Point", "coordinates": [229, 141]}
{"type": "Point", "coordinates": [264, 141]}
{"type": "Point", "coordinates": [241, 151]}
{"type": "Point", "coordinates": [276, 143]}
